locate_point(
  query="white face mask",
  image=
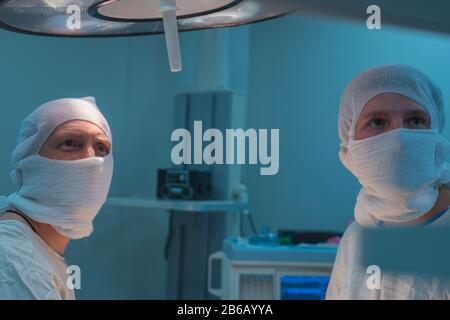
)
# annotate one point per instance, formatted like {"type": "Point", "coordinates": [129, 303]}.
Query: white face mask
{"type": "Point", "coordinates": [67, 194]}
{"type": "Point", "coordinates": [400, 172]}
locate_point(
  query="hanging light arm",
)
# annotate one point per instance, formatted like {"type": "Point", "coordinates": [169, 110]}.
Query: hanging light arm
{"type": "Point", "coordinates": [168, 9]}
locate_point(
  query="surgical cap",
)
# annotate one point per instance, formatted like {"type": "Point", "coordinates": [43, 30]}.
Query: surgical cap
{"type": "Point", "coordinates": [400, 79]}
{"type": "Point", "coordinates": [40, 123]}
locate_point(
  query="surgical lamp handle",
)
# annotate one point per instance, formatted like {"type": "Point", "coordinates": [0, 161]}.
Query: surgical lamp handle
{"type": "Point", "coordinates": [168, 9]}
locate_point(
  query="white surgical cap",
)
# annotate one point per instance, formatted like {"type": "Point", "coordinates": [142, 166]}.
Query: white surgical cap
{"type": "Point", "coordinates": [400, 79]}
{"type": "Point", "coordinates": [39, 124]}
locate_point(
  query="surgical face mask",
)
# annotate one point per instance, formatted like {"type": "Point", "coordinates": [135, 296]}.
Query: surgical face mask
{"type": "Point", "coordinates": [67, 194]}
{"type": "Point", "coordinates": [400, 172]}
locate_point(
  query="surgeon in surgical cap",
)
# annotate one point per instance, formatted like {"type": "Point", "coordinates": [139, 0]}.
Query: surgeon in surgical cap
{"type": "Point", "coordinates": [62, 170]}
{"type": "Point", "coordinates": [390, 125]}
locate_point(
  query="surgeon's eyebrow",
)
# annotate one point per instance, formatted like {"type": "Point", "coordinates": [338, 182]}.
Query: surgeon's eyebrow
{"type": "Point", "coordinates": [380, 113]}
{"type": "Point", "coordinates": [418, 112]}
{"type": "Point", "coordinates": [374, 113]}
{"type": "Point", "coordinates": [371, 115]}
{"type": "Point", "coordinates": [74, 133]}
{"type": "Point", "coordinates": [104, 138]}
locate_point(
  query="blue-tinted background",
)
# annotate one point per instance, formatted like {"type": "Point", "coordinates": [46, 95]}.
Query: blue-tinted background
{"type": "Point", "coordinates": [291, 72]}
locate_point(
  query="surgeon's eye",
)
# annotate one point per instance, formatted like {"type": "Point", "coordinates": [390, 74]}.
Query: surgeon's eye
{"type": "Point", "coordinates": [69, 145]}
{"type": "Point", "coordinates": [102, 149]}
{"type": "Point", "coordinates": [377, 123]}
{"type": "Point", "coordinates": [418, 122]}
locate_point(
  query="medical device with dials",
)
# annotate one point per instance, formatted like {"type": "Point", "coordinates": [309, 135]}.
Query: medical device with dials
{"type": "Point", "coordinates": [184, 184]}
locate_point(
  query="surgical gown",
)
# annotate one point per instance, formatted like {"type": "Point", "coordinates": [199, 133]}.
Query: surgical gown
{"type": "Point", "coordinates": [349, 277]}
{"type": "Point", "coordinates": [29, 268]}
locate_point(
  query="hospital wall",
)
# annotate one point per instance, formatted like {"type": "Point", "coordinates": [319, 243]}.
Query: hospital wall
{"type": "Point", "coordinates": [290, 71]}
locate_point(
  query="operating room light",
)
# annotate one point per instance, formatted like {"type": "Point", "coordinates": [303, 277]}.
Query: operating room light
{"type": "Point", "coordinates": [100, 18]}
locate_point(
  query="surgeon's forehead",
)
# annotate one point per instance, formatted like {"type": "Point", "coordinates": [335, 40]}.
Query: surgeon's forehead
{"type": "Point", "coordinates": [79, 127]}
{"type": "Point", "coordinates": [392, 103]}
